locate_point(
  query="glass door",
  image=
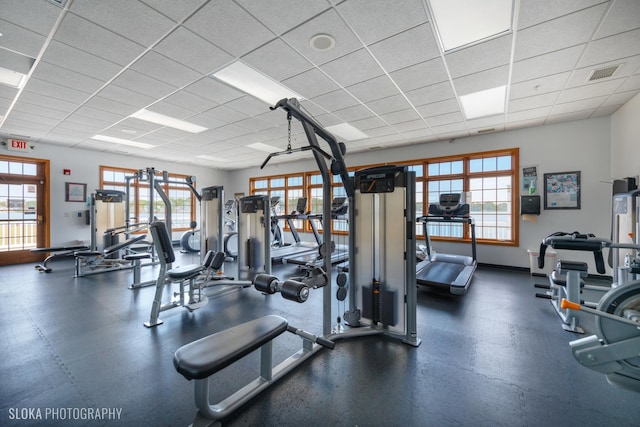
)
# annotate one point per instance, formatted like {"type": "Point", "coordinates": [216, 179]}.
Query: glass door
{"type": "Point", "coordinates": [23, 209]}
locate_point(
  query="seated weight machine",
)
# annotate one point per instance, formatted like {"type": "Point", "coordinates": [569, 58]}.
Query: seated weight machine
{"type": "Point", "coordinates": [384, 305]}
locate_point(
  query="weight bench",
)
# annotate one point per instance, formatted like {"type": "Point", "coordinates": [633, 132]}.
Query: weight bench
{"type": "Point", "coordinates": [56, 252]}
{"type": "Point", "coordinates": [82, 256]}
{"type": "Point", "coordinates": [201, 359]}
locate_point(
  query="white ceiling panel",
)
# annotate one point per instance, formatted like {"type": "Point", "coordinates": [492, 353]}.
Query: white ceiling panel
{"type": "Point", "coordinates": [560, 33]}
{"type": "Point", "coordinates": [221, 21]}
{"type": "Point", "coordinates": [15, 62]}
{"type": "Point", "coordinates": [624, 15]}
{"type": "Point", "coordinates": [406, 49]}
{"type": "Point", "coordinates": [374, 20]}
{"type": "Point", "coordinates": [21, 40]}
{"type": "Point", "coordinates": [129, 18]}
{"type": "Point", "coordinates": [270, 14]}
{"type": "Point", "coordinates": [204, 57]}
{"type": "Point", "coordinates": [384, 74]}
{"type": "Point", "coordinates": [97, 40]}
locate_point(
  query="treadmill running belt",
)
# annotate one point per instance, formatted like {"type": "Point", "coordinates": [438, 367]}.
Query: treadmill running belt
{"type": "Point", "coordinates": [442, 273]}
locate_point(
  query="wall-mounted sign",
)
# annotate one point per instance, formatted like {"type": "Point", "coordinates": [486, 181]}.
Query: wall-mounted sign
{"type": "Point", "coordinates": [18, 145]}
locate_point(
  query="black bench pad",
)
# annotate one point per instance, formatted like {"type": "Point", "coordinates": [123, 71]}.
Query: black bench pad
{"type": "Point", "coordinates": [185, 272]}
{"type": "Point", "coordinates": [206, 356]}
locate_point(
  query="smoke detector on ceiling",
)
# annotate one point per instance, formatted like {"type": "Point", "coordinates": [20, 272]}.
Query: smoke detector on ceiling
{"type": "Point", "coordinates": [603, 73]}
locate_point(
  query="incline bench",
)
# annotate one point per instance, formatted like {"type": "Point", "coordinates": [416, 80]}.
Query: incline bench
{"type": "Point", "coordinates": [201, 359]}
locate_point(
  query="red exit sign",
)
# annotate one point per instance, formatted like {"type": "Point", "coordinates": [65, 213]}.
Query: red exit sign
{"type": "Point", "coordinates": [18, 145]}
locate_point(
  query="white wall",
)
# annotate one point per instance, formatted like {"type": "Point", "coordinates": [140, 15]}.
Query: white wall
{"type": "Point", "coordinates": [625, 139]}
{"type": "Point", "coordinates": [574, 146]}
{"type": "Point", "coordinates": [66, 226]}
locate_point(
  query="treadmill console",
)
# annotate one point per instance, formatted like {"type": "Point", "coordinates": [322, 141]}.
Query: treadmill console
{"type": "Point", "coordinates": [449, 206]}
{"type": "Point", "coordinates": [110, 196]}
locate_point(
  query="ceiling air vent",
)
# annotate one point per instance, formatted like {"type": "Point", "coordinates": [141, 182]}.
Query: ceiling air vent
{"type": "Point", "coordinates": [487, 130]}
{"type": "Point", "coordinates": [603, 73]}
{"type": "Point", "coordinates": [60, 3]}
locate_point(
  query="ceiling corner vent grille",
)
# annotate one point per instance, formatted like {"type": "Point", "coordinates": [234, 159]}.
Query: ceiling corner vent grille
{"type": "Point", "coordinates": [487, 130]}
{"type": "Point", "coordinates": [603, 73]}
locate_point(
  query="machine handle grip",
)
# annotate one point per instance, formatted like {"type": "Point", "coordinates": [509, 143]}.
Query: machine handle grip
{"type": "Point", "coordinates": [564, 304]}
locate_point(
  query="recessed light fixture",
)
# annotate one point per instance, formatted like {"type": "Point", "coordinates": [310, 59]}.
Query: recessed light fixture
{"type": "Point", "coordinates": [172, 122]}
{"type": "Point", "coordinates": [253, 82]}
{"type": "Point", "coordinates": [12, 78]}
{"type": "Point", "coordinates": [264, 147]}
{"type": "Point", "coordinates": [121, 141]}
{"type": "Point", "coordinates": [347, 132]}
{"type": "Point", "coordinates": [462, 22]}
{"type": "Point", "coordinates": [322, 42]}
{"type": "Point", "coordinates": [484, 103]}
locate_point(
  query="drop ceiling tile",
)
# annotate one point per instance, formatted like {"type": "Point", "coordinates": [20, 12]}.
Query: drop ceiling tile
{"type": "Point", "coordinates": [21, 40]}
{"type": "Point", "coordinates": [605, 111]}
{"type": "Point", "coordinates": [419, 75]}
{"type": "Point", "coordinates": [560, 33]}
{"type": "Point", "coordinates": [190, 101]}
{"type": "Point", "coordinates": [171, 110]}
{"type": "Point", "coordinates": [206, 121]}
{"type": "Point", "coordinates": [612, 48]}
{"type": "Point", "coordinates": [225, 114]}
{"type": "Point", "coordinates": [111, 106]}
{"type": "Point", "coordinates": [376, 88]}
{"type": "Point", "coordinates": [90, 112]}
{"type": "Point", "coordinates": [88, 121]}
{"type": "Point", "coordinates": [282, 15]}
{"type": "Point", "coordinates": [440, 107]}
{"type": "Point", "coordinates": [381, 131]}
{"type": "Point", "coordinates": [566, 117]}
{"type": "Point", "coordinates": [77, 60]}
{"type": "Point", "coordinates": [368, 123]}
{"type": "Point", "coordinates": [350, 114]}
{"type": "Point", "coordinates": [120, 94]}
{"type": "Point", "coordinates": [97, 40]}
{"type": "Point", "coordinates": [34, 15]}
{"type": "Point", "coordinates": [524, 123]}
{"type": "Point", "coordinates": [444, 119]}
{"type": "Point", "coordinates": [400, 116]}
{"type": "Point", "coordinates": [531, 102]}
{"type": "Point", "coordinates": [580, 105]}
{"type": "Point", "coordinates": [200, 56]}
{"type": "Point", "coordinates": [547, 64]}
{"type": "Point", "coordinates": [411, 125]}
{"type": "Point", "coordinates": [336, 100]}
{"type": "Point", "coordinates": [140, 83]}
{"type": "Point", "coordinates": [327, 23]}
{"type": "Point", "coordinates": [408, 48]}
{"type": "Point", "coordinates": [389, 104]}
{"type": "Point", "coordinates": [311, 83]}
{"type": "Point", "coordinates": [214, 90]}
{"type": "Point", "coordinates": [176, 10]}
{"type": "Point", "coordinates": [591, 90]}
{"type": "Point", "coordinates": [164, 69]}
{"type": "Point", "coordinates": [49, 102]}
{"type": "Point", "coordinates": [483, 80]}
{"type": "Point", "coordinates": [352, 68]}
{"type": "Point", "coordinates": [328, 119]}
{"type": "Point", "coordinates": [253, 125]}
{"type": "Point", "coordinates": [55, 91]}
{"type": "Point", "coordinates": [580, 76]}
{"type": "Point", "coordinates": [39, 110]}
{"type": "Point", "coordinates": [64, 77]}
{"type": "Point", "coordinates": [22, 127]}
{"type": "Point", "coordinates": [218, 22]}
{"type": "Point", "coordinates": [375, 20]}
{"type": "Point", "coordinates": [131, 19]}
{"type": "Point", "coordinates": [624, 15]}
{"type": "Point", "coordinates": [453, 130]}
{"type": "Point", "coordinates": [431, 94]}
{"type": "Point", "coordinates": [16, 114]}
{"type": "Point", "coordinates": [480, 57]}
{"type": "Point", "coordinates": [485, 122]}
{"type": "Point", "coordinates": [619, 98]}
{"type": "Point", "coordinates": [15, 62]}
{"type": "Point", "coordinates": [538, 86]}
{"type": "Point", "coordinates": [533, 12]}
{"type": "Point", "coordinates": [8, 92]}
{"type": "Point", "coordinates": [248, 106]}
{"type": "Point", "coordinates": [632, 83]}
{"type": "Point", "coordinates": [277, 60]}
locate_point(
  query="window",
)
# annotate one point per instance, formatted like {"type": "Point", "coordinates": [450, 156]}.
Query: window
{"type": "Point", "coordinates": [488, 181]}
{"type": "Point", "coordinates": [289, 188]}
{"type": "Point", "coordinates": [182, 200]}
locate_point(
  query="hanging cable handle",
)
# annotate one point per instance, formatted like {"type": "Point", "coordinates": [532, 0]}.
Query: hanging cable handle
{"type": "Point", "coordinates": [290, 150]}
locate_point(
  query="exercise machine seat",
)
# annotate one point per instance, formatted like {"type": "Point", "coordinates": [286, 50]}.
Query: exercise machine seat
{"type": "Point", "coordinates": [137, 255]}
{"type": "Point", "coordinates": [184, 272]}
{"type": "Point", "coordinates": [206, 356]}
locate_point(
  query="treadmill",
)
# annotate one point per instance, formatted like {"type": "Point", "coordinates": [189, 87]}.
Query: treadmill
{"type": "Point", "coordinates": [298, 247]}
{"type": "Point", "coordinates": [339, 254]}
{"type": "Point", "coordinates": [447, 271]}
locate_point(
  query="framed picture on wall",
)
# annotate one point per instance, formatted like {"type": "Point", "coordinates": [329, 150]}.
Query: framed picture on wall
{"type": "Point", "coordinates": [562, 190]}
{"type": "Point", "coordinates": [75, 192]}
